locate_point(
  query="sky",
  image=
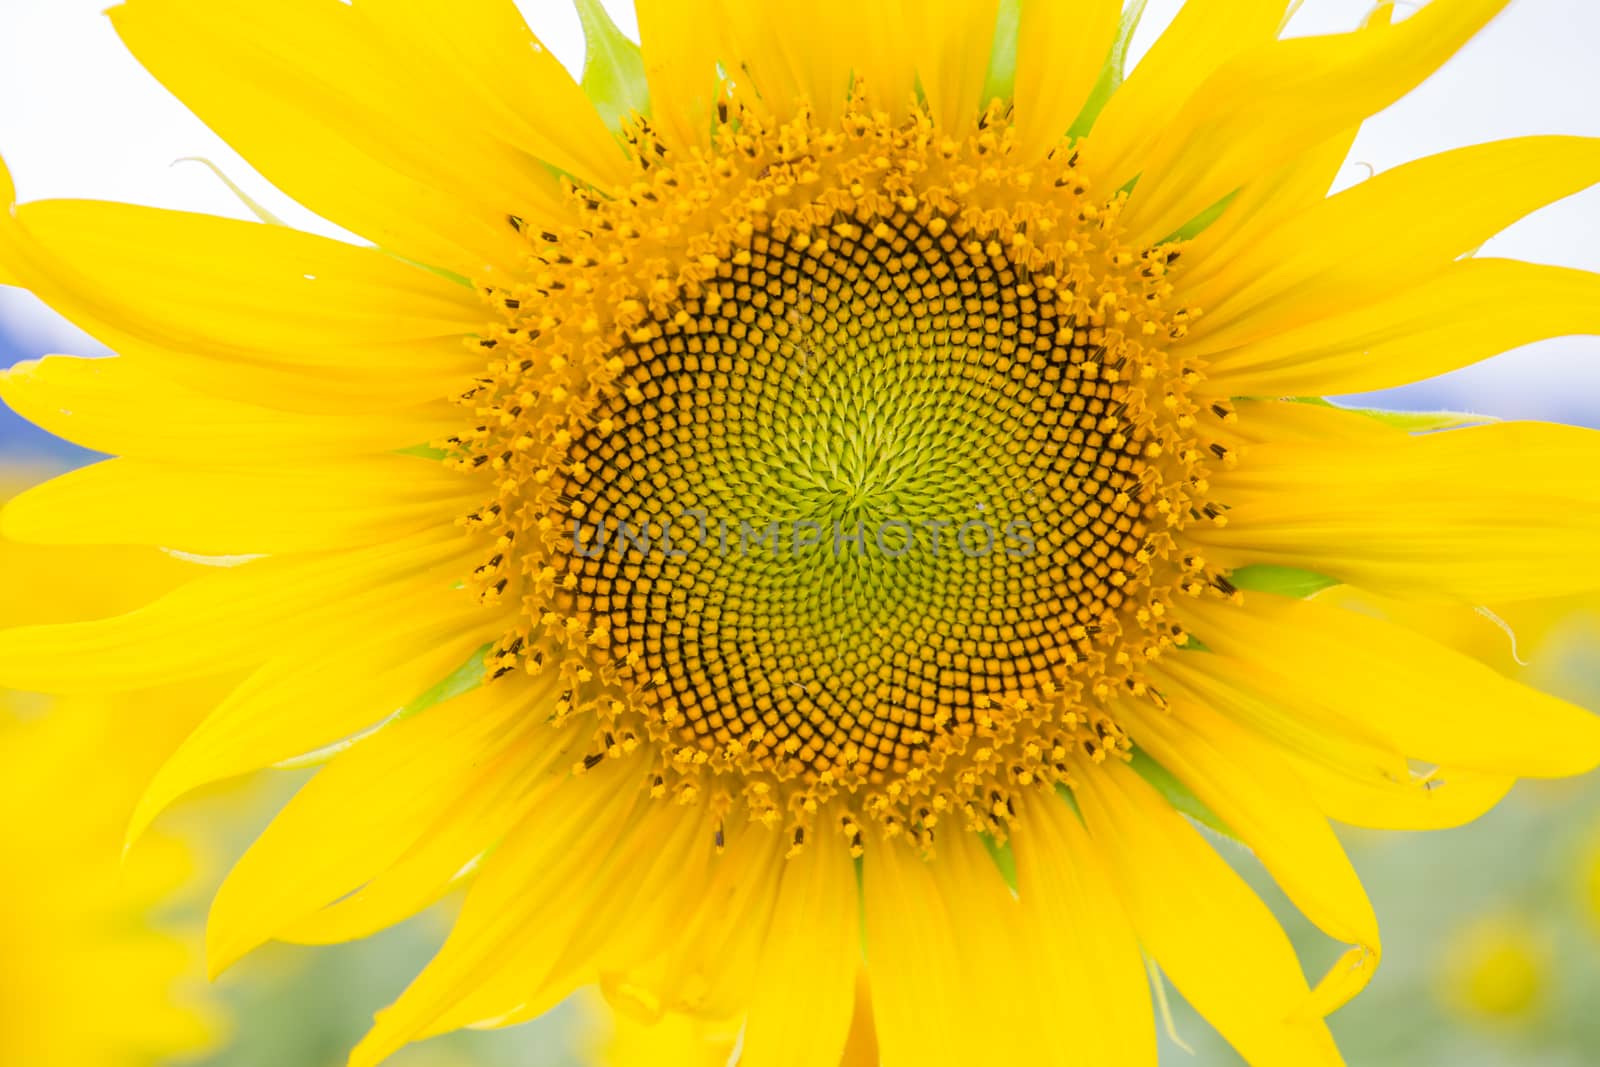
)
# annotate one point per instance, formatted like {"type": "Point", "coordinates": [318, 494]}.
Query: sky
{"type": "Point", "coordinates": [80, 118]}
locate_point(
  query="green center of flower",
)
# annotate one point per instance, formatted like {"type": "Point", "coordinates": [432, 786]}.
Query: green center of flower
{"type": "Point", "coordinates": [866, 503]}
{"type": "Point", "coordinates": [843, 464]}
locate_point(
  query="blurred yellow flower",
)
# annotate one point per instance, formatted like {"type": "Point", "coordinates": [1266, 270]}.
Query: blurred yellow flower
{"type": "Point", "coordinates": [1496, 971]}
{"type": "Point", "coordinates": [1591, 884]}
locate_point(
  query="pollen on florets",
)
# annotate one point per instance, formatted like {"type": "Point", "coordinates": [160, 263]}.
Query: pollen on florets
{"type": "Point", "coordinates": [842, 466]}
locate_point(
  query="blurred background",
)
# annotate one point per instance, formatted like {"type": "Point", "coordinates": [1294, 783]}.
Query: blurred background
{"type": "Point", "coordinates": [1492, 931]}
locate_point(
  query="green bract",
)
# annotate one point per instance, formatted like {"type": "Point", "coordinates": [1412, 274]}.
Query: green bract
{"type": "Point", "coordinates": [613, 69]}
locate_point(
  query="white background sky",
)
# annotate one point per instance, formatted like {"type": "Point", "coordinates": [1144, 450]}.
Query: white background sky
{"type": "Point", "coordinates": [79, 118]}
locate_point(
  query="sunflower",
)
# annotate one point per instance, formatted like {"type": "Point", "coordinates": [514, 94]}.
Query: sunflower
{"type": "Point", "coordinates": [1498, 971]}
{"type": "Point", "coordinates": [837, 484]}
{"type": "Point", "coordinates": [77, 921]}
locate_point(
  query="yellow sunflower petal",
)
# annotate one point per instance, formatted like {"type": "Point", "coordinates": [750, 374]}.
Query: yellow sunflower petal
{"type": "Point", "coordinates": [1441, 799]}
{"type": "Point", "coordinates": [1283, 192]}
{"type": "Point", "coordinates": [1343, 254]}
{"type": "Point", "coordinates": [1061, 49]}
{"type": "Point", "coordinates": [861, 1050]}
{"type": "Point", "coordinates": [1276, 196]}
{"type": "Point", "coordinates": [1273, 102]}
{"type": "Point", "coordinates": [814, 941]}
{"type": "Point", "coordinates": [1435, 703]}
{"type": "Point", "coordinates": [883, 56]}
{"type": "Point", "coordinates": [1258, 797]}
{"type": "Point", "coordinates": [63, 583]}
{"type": "Point", "coordinates": [713, 968]}
{"type": "Point", "coordinates": [791, 52]}
{"type": "Point", "coordinates": [224, 620]}
{"type": "Point", "coordinates": [813, 32]}
{"type": "Point", "coordinates": [241, 510]}
{"type": "Point", "coordinates": [1351, 775]}
{"type": "Point", "coordinates": [682, 42]}
{"type": "Point", "coordinates": [118, 406]}
{"type": "Point", "coordinates": [308, 93]}
{"type": "Point", "coordinates": [1081, 952]}
{"type": "Point", "coordinates": [361, 813]}
{"type": "Point", "coordinates": [1477, 308]}
{"type": "Point", "coordinates": [463, 829]}
{"type": "Point", "coordinates": [951, 41]}
{"type": "Point", "coordinates": [630, 911]}
{"type": "Point", "coordinates": [629, 916]}
{"type": "Point", "coordinates": [991, 936]}
{"type": "Point", "coordinates": [493, 66]}
{"type": "Point", "coordinates": [616, 1038]}
{"type": "Point", "coordinates": [337, 679]}
{"type": "Point", "coordinates": [911, 931]}
{"type": "Point", "coordinates": [200, 276]}
{"type": "Point", "coordinates": [767, 56]}
{"type": "Point", "coordinates": [1502, 512]}
{"type": "Point", "coordinates": [1278, 423]}
{"type": "Point", "coordinates": [1203, 36]}
{"type": "Point", "coordinates": [523, 906]}
{"type": "Point", "coordinates": [260, 313]}
{"type": "Point", "coordinates": [1211, 935]}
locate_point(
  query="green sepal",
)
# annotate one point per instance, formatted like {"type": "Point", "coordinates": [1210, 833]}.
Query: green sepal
{"type": "Point", "coordinates": [324, 755]}
{"type": "Point", "coordinates": [1409, 421]}
{"type": "Point", "coordinates": [1299, 583]}
{"type": "Point", "coordinates": [1004, 859]}
{"type": "Point", "coordinates": [1281, 581]}
{"type": "Point", "coordinates": [464, 679]}
{"type": "Point", "coordinates": [860, 865]}
{"type": "Point", "coordinates": [1177, 794]}
{"type": "Point", "coordinates": [613, 68]}
{"type": "Point", "coordinates": [1171, 789]}
{"type": "Point", "coordinates": [438, 272]}
{"type": "Point", "coordinates": [252, 205]}
{"type": "Point", "coordinates": [1112, 74]}
{"type": "Point", "coordinates": [1002, 80]}
{"type": "Point", "coordinates": [1425, 421]}
{"type": "Point", "coordinates": [1072, 802]}
{"type": "Point", "coordinates": [1198, 225]}
{"type": "Point", "coordinates": [422, 452]}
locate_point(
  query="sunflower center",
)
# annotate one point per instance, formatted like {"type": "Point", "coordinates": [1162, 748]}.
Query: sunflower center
{"type": "Point", "coordinates": [854, 493]}
{"type": "Point", "coordinates": [840, 467]}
